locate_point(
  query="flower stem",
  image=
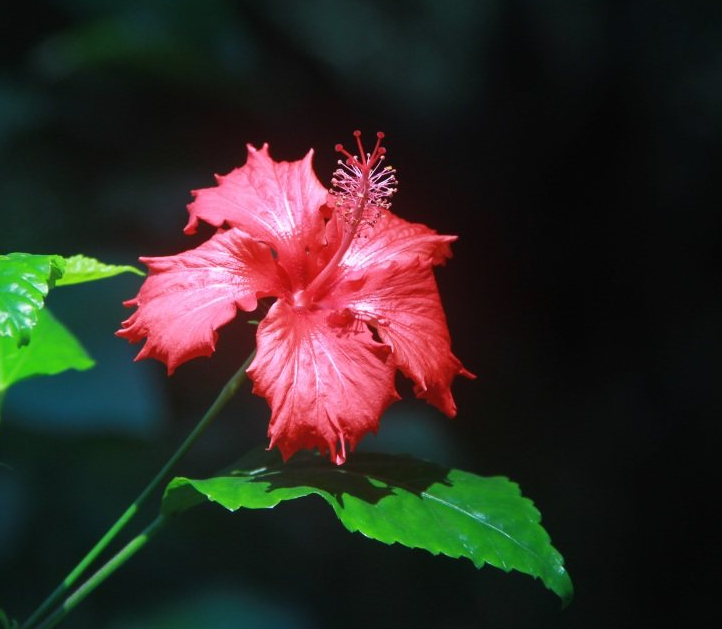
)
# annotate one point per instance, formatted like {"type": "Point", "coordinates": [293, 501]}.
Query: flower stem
{"type": "Point", "coordinates": [223, 397]}
{"type": "Point", "coordinates": [132, 547]}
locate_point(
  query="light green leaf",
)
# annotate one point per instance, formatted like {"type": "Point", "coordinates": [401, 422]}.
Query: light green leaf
{"type": "Point", "coordinates": [25, 280]}
{"type": "Point", "coordinates": [53, 349]}
{"type": "Point", "coordinates": [81, 268]}
{"type": "Point", "coordinates": [396, 499]}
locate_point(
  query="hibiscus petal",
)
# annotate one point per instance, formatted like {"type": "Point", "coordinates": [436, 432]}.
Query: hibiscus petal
{"type": "Point", "coordinates": [325, 378]}
{"type": "Point", "coordinates": [402, 302]}
{"type": "Point", "coordinates": [274, 202]}
{"type": "Point", "coordinates": [393, 239]}
{"type": "Point", "coordinates": [187, 297]}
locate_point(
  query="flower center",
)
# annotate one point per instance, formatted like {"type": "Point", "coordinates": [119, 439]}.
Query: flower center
{"type": "Point", "coordinates": [363, 188]}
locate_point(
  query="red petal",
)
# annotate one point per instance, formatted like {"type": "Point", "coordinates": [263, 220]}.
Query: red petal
{"type": "Point", "coordinates": [325, 378]}
{"type": "Point", "coordinates": [187, 297]}
{"type": "Point", "coordinates": [402, 302]}
{"type": "Point", "coordinates": [393, 239]}
{"type": "Point", "coordinates": [275, 202]}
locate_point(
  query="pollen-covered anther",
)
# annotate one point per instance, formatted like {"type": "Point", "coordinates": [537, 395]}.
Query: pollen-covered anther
{"type": "Point", "coordinates": [363, 186]}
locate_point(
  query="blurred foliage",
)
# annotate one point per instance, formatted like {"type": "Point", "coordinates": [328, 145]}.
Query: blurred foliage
{"type": "Point", "coordinates": [221, 606]}
{"type": "Point", "coordinates": [574, 147]}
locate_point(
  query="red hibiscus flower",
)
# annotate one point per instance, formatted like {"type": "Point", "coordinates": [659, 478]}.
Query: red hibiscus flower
{"type": "Point", "coordinates": [341, 266]}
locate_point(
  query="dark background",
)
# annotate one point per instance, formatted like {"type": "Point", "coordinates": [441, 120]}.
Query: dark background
{"type": "Point", "coordinates": [573, 145]}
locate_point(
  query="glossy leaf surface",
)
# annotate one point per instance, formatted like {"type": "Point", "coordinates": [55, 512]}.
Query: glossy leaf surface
{"type": "Point", "coordinates": [80, 268]}
{"type": "Point", "coordinates": [25, 280]}
{"type": "Point", "coordinates": [396, 499]}
{"type": "Point", "coordinates": [53, 349]}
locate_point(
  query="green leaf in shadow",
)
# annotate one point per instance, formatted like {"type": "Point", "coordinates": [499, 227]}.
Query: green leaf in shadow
{"type": "Point", "coordinates": [5, 622]}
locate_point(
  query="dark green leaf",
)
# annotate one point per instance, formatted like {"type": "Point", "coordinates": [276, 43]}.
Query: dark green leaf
{"type": "Point", "coordinates": [80, 269]}
{"type": "Point", "coordinates": [54, 349]}
{"type": "Point", "coordinates": [5, 622]}
{"type": "Point", "coordinates": [25, 280]}
{"type": "Point", "coordinates": [396, 499]}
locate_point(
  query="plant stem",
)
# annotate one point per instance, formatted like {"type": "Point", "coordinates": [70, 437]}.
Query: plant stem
{"type": "Point", "coordinates": [132, 547]}
{"type": "Point", "coordinates": [223, 397]}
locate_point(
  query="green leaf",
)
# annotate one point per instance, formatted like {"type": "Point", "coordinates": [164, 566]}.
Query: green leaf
{"type": "Point", "coordinates": [396, 499]}
{"type": "Point", "coordinates": [80, 268]}
{"type": "Point", "coordinates": [25, 280]}
{"type": "Point", "coordinates": [54, 349]}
